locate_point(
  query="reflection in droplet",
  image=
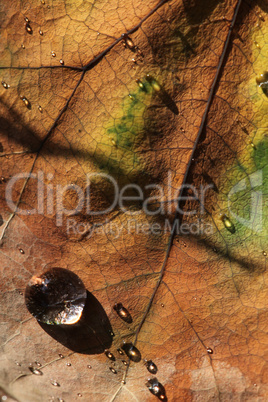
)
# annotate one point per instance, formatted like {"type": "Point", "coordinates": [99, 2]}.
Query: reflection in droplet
{"type": "Point", "coordinates": [21, 250]}
{"type": "Point", "coordinates": [124, 362]}
{"type": "Point", "coordinates": [210, 351]}
{"type": "Point", "coordinates": [151, 367]}
{"type": "Point", "coordinates": [57, 296]}
{"type": "Point", "coordinates": [5, 85]}
{"type": "Point", "coordinates": [140, 84]}
{"type": "Point", "coordinates": [264, 253]}
{"type": "Point", "coordinates": [228, 224]}
{"type": "Point", "coordinates": [35, 371]}
{"type": "Point", "coordinates": [61, 356]}
{"type": "Point", "coordinates": [113, 370]}
{"type": "Point", "coordinates": [156, 388]}
{"type": "Point", "coordinates": [128, 41]}
{"type": "Point", "coordinates": [22, 46]}
{"type": "Point", "coordinates": [68, 364]}
{"type": "Point", "coordinates": [120, 351]}
{"type": "Point", "coordinates": [61, 62]}
{"type": "Point", "coordinates": [156, 86]}
{"type": "Point", "coordinates": [40, 109]}
{"type": "Point", "coordinates": [55, 383]}
{"type": "Point", "coordinates": [25, 101]}
{"type": "Point", "coordinates": [123, 313]}
{"type": "Point", "coordinates": [40, 32]}
{"type": "Point", "coordinates": [79, 394]}
{"type": "Point", "coordinates": [109, 355]}
{"type": "Point", "coordinates": [89, 366]}
{"type": "Point", "coordinates": [28, 28]}
{"type": "Point", "coordinates": [38, 364]}
{"type": "Point", "coordinates": [132, 352]}
{"type": "Point", "coordinates": [162, 305]}
{"type": "Point", "coordinates": [53, 54]}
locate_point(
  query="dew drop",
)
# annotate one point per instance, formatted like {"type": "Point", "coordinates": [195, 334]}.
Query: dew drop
{"type": "Point", "coordinates": [61, 62]}
{"type": "Point", "coordinates": [210, 351]}
{"type": "Point", "coordinates": [17, 364]}
{"type": "Point", "coordinates": [120, 351]}
{"type": "Point", "coordinates": [128, 41]}
{"type": "Point", "coordinates": [38, 364]}
{"type": "Point", "coordinates": [22, 46]}
{"type": "Point", "coordinates": [21, 250]}
{"type": "Point", "coordinates": [89, 366]}
{"type": "Point", "coordinates": [35, 371]}
{"type": "Point", "coordinates": [132, 352]}
{"type": "Point", "coordinates": [25, 101]}
{"type": "Point", "coordinates": [26, 19]}
{"type": "Point", "coordinates": [257, 44]}
{"type": "Point", "coordinates": [123, 313]}
{"type": "Point", "coordinates": [264, 253]}
{"type": "Point", "coordinates": [61, 356]}
{"type": "Point", "coordinates": [151, 367]}
{"type": "Point", "coordinates": [141, 85]}
{"type": "Point", "coordinates": [156, 86]}
{"type": "Point", "coordinates": [53, 54]}
{"type": "Point", "coordinates": [40, 109]}
{"type": "Point", "coordinates": [109, 355]}
{"type": "Point", "coordinates": [262, 81]}
{"type": "Point", "coordinates": [55, 383]}
{"type": "Point", "coordinates": [131, 96]}
{"type": "Point", "coordinates": [28, 28]}
{"type": "Point", "coordinates": [79, 394]}
{"type": "Point", "coordinates": [42, 1]}
{"type": "Point", "coordinates": [5, 85]}
{"type": "Point", "coordinates": [228, 224]}
{"type": "Point", "coordinates": [113, 370]}
{"type": "Point", "coordinates": [40, 32]}
{"type": "Point", "coordinates": [156, 388]}
{"type": "Point", "coordinates": [162, 305]}
{"type": "Point", "coordinates": [68, 364]}
{"type": "Point", "coordinates": [124, 362]}
{"type": "Point", "coordinates": [57, 296]}
{"type": "Point", "coordinates": [252, 145]}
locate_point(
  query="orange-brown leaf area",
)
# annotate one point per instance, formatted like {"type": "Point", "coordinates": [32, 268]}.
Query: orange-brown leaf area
{"type": "Point", "coordinates": [174, 101]}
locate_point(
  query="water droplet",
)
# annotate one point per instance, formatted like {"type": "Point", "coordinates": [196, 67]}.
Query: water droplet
{"type": "Point", "coordinates": [38, 364]}
{"type": "Point", "coordinates": [89, 366]}
{"type": "Point", "coordinates": [134, 60]}
{"type": "Point", "coordinates": [120, 351]}
{"type": "Point", "coordinates": [68, 364]}
{"type": "Point", "coordinates": [162, 305]}
{"type": "Point", "coordinates": [128, 41]}
{"type": "Point", "coordinates": [131, 96]}
{"type": "Point", "coordinates": [55, 383]}
{"type": "Point", "coordinates": [22, 46]}
{"type": "Point", "coordinates": [61, 356]}
{"type": "Point", "coordinates": [42, 1]}
{"type": "Point", "coordinates": [79, 394]}
{"type": "Point", "coordinates": [123, 381]}
{"type": "Point", "coordinates": [21, 250]}
{"type": "Point", "coordinates": [40, 109]}
{"type": "Point", "coordinates": [228, 224]}
{"type": "Point", "coordinates": [256, 44]}
{"type": "Point", "coordinates": [124, 362]}
{"type": "Point", "coordinates": [57, 296]}
{"type": "Point", "coordinates": [26, 19]}
{"type": "Point", "coordinates": [141, 85]}
{"type": "Point", "coordinates": [114, 143]}
{"type": "Point", "coordinates": [61, 62]}
{"type": "Point", "coordinates": [210, 351]}
{"type": "Point", "coordinates": [113, 370]}
{"type": "Point", "coordinates": [151, 367]}
{"type": "Point", "coordinates": [262, 81]}
{"type": "Point", "coordinates": [17, 364]}
{"type": "Point", "coordinates": [53, 54]}
{"type": "Point", "coordinates": [123, 313]}
{"type": "Point", "coordinates": [5, 85]}
{"type": "Point", "coordinates": [25, 101]}
{"type": "Point", "coordinates": [132, 352]}
{"type": "Point", "coordinates": [252, 145]}
{"type": "Point", "coordinates": [35, 371]}
{"type": "Point", "coordinates": [3, 180]}
{"type": "Point", "coordinates": [28, 28]}
{"type": "Point", "coordinates": [40, 32]}
{"type": "Point", "coordinates": [60, 400]}
{"type": "Point", "coordinates": [109, 355]}
{"type": "Point", "coordinates": [156, 388]}
{"type": "Point", "coordinates": [264, 253]}
{"type": "Point", "coordinates": [156, 86]}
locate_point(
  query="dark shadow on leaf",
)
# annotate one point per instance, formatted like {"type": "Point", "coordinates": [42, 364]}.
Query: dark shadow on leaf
{"type": "Point", "coordinates": [91, 335]}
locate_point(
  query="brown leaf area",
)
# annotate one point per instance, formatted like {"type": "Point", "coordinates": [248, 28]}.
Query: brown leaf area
{"type": "Point", "coordinates": [86, 114]}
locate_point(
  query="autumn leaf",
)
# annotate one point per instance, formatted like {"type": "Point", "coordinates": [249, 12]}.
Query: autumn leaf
{"type": "Point", "coordinates": [165, 103]}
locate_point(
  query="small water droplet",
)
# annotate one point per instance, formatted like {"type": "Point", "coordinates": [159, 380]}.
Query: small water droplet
{"type": "Point", "coordinates": [151, 367]}
{"type": "Point", "coordinates": [123, 313]}
{"type": "Point", "coordinates": [124, 362]}
{"type": "Point", "coordinates": [89, 366]}
{"type": "Point", "coordinates": [109, 355]}
{"type": "Point", "coordinates": [128, 41]}
{"type": "Point", "coordinates": [61, 62]}
{"type": "Point", "coordinates": [156, 86]}
{"type": "Point", "coordinates": [156, 388]}
{"type": "Point", "coordinates": [5, 85]}
{"type": "Point", "coordinates": [61, 356]}
{"type": "Point", "coordinates": [17, 364]}
{"type": "Point", "coordinates": [40, 109]}
{"type": "Point", "coordinates": [113, 370]}
{"type": "Point", "coordinates": [21, 250]}
{"type": "Point", "coordinates": [54, 383]}
{"type": "Point", "coordinates": [42, 1]}
{"type": "Point", "coordinates": [79, 394]}
{"type": "Point", "coordinates": [262, 81]}
{"type": "Point", "coordinates": [28, 28]}
{"type": "Point", "coordinates": [35, 371]}
{"type": "Point", "coordinates": [40, 32]}
{"type": "Point", "coordinates": [140, 84]}
{"type": "Point", "coordinates": [132, 352]}
{"type": "Point", "coordinates": [252, 145]}
{"type": "Point", "coordinates": [57, 296]}
{"type": "Point", "coordinates": [120, 351]}
{"type": "Point", "coordinates": [123, 381]}
{"type": "Point", "coordinates": [53, 54]}
{"type": "Point", "coordinates": [38, 364]}
{"type": "Point", "coordinates": [162, 305]}
{"type": "Point", "coordinates": [228, 224]}
{"type": "Point", "coordinates": [210, 351]}
{"type": "Point", "coordinates": [22, 46]}
{"type": "Point", "coordinates": [25, 101]}
{"type": "Point", "coordinates": [257, 44]}
{"type": "Point", "coordinates": [131, 96]}
{"type": "Point", "coordinates": [264, 253]}
{"type": "Point", "coordinates": [26, 19]}
{"type": "Point", "coordinates": [68, 364]}
{"type": "Point", "coordinates": [60, 400]}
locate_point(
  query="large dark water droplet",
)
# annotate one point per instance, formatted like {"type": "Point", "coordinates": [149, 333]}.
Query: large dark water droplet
{"type": "Point", "coordinates": [123, 313]}
{"type": "Point", "coordinates": [157, 389]}
{"type": "Point", "coordinates": [151, 367]}
{"type": "Point", "coordinates": [132, 352]}
{"type": "Point", "coordinates": [57, 296]}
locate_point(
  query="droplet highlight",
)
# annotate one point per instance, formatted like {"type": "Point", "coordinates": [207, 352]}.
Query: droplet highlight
{"type": "Point", "coordinates": [25, 101]}
{"type": "Point", "coordinates": [210, 351]}
{"type": "Point", "coordinates": [113, 370]}
{"type": "Point", "coordinates": [228, 224]}
{"type": "Point", "coordinates": [128, 41]}
{"type": "Point", "coordinates": [41, 32]}
{"type": "Point", "coordinates": [151, 367]}
{"type": "Point", "coordinates": [109, 355]}
{"type": "Point", "coordinates": [123, 313]}
{"type": "Point", "coordinates": [5, 85]}
{"type": "Point", "coordinates": [120, 351]}
{"type": "Point", "coordinates": [54, 383]}
{"type": "Point", "coordinates": [57, 296]}
{"type": "Point", "coordinates": [35, 371]}
{"type": "Point", "coordinates": [53, 54]}
{"type": "Point", "coordinates": [156, 86]}
{"type": "Point", "coordinates": [132, 352]}
{"type": "Point", "coordinates": [28, 28]}
{"type": "Point", "coordinates": [157, 389]}
{"type": "Point", "coordinates": [61, 62]}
